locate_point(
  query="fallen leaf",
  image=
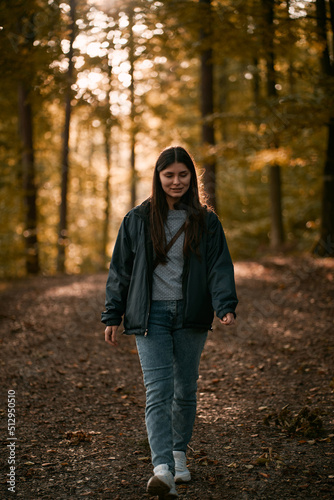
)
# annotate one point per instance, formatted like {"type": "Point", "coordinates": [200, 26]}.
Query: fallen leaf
{"type": "Point", "coordinates": [182, 487]}
{"type": "Point", "coordinates": [77, 437]}
{"type": "Point", "coordinates": [261, 461]}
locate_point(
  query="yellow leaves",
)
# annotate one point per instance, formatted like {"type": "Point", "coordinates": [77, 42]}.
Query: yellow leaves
{"type": "Point", "coordinates": [271, 157]}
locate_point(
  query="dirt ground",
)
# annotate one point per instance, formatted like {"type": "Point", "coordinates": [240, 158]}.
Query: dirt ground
{"type": "Point", "coordinates": [265, 426]}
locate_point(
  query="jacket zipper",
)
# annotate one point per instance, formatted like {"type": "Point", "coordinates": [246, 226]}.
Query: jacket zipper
{"type": "Point", "coordinates": [185, 286]}
{"type": "Point", "coordinates": [149, 309]}
{"type": "Point", "coordinates": [148, 315]}
{"type": "Point", "coordinates": [148, 265]}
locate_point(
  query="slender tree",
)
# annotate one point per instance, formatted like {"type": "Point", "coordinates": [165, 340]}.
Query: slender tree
{"type": "Point", "coordinates": [26, 30]}
{"type": "Point", "coordinates": [29, 45]}
{"type": "Point", "coordinates": [277, 231]}
{"type": "Point", "coordinates": [207, 101]}
{"type": "Point", "coordinates": [63, 230]}
{"type": "Point", "coordinates": [29, 181]}
{"type": "Point", "coordinates": [133, 129]}
{"type": "Point", "coordinates": [107, 144]}
{"type": "Point", "coordinates": [325, 246]}
{"type": "Point", "coordinates": [291, 73]}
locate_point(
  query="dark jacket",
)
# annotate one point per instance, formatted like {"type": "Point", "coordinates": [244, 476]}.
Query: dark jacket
{"type": "Point", "coordinates": [208, 283]}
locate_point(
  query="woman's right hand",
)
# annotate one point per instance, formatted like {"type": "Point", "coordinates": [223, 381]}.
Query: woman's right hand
{"type": "Point", "coordinates": [228, 319]}
{"type": "Point", "coordinates": [110, 335]}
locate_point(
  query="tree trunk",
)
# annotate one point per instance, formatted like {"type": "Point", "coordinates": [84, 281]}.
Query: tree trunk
{"type": "Point", "coordinates": [29, 183]}
{"type": "Point", "coordinates": [133, 130]}
{"type": "Point", "coordinates": [107, 211]}
{"type": "Point", "coordinates": [292, 80]}
{"type": "Point", "coordinates": [107, 143]}
{"type": "Point", "coordinates": [207, 105]}
{"type": "Point", "coordinates": [222, 82]}
{"type": "Point", "coordinates": [327, 66]}
{"type": "Point", "coordinates": [256, 85]}
{"type": "Point", "coordinates": [276, 206]}
{"type": "Point", "coordinates": [277, 231]}
{"type": "Point", "coordinates": [325, 246]}
{"type": "Point", "coordinates": [63, 234]}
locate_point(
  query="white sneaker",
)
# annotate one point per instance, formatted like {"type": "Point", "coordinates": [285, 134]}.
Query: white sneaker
{"type": "Point", "coordinates": [162, 483]}
{"type": "Point", "coordinates": [182, 474]}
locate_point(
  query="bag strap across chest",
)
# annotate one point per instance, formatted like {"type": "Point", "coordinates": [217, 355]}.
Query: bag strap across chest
{"type": "Point", "coordinates": [171, 243]}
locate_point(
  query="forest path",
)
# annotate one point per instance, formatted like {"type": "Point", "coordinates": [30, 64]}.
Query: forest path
{"type": "Point", "coordinates": [80, 403]}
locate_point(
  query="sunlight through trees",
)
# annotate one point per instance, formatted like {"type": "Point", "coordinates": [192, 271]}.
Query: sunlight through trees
{"type": "Point", "coordinates": [88, 102]}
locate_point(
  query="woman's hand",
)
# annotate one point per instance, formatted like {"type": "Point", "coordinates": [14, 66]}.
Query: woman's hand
{"type": "Point", "coordinates": [228, 319]}
{"type": "Point", "coordinates": [110, 335]}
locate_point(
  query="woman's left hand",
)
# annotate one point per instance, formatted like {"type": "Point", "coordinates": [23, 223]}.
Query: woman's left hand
{"type": "Point", "coordinates": [228, 319]}
{"type": "Point", "coordinates": [110, 335]}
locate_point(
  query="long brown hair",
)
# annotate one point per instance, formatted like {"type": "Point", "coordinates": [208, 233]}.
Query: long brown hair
{"type": "Point", "coordinates": [190, 201]}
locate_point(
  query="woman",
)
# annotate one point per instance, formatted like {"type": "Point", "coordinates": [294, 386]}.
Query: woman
{"type": "Point", "coordinates": [168, 295]}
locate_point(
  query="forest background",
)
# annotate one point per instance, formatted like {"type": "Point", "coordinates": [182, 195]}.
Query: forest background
{"type": "Point", "coordinates": [92, 90]}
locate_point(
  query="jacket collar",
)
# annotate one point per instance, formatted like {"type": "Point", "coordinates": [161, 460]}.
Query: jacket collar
{"type": "Point", "coordinates": [143, 210]}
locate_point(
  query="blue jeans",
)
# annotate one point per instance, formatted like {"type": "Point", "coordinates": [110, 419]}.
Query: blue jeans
{"type": "Point", "coordinates": [169, 357]}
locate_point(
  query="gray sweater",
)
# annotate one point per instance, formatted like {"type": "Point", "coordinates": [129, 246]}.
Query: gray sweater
{"type": "Point", "coordinates": [167, 278]}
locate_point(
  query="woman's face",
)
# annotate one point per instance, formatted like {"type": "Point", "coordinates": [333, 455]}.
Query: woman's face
{"type": "Point", "coordinates": [175, 181]}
